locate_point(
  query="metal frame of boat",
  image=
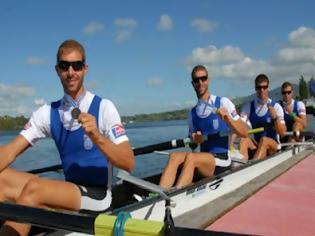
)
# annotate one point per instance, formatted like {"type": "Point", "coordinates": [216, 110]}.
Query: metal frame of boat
{"type": "Point", "coordinates": [195, 206]}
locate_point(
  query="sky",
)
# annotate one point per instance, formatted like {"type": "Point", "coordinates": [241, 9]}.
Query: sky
{"type": "Point", "coordinates": [140, 53]}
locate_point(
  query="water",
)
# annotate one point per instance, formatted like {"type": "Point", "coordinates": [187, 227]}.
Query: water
{"type": "Point", "coordinates": [44, 152]}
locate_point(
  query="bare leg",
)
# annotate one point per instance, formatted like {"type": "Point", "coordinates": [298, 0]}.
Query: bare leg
{"type": "Point", "coordinates": [266, 146]}
{"type": "Point", "coordinates": [204, 162]}
{"type": "Point", "coordinates": [169, 174]}
{"type": "Point", "coordinates": [245, 144]}
{"type": "Point", "coordinates": [39, 192]}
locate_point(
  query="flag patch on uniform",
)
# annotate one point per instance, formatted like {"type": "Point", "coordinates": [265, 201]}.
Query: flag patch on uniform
{"type": "Point", "coordinates": [27, 125]}
{"type": "Point", "coordinates": [234, 113]}
{"type": "Point", "coordinates": [118, 131]}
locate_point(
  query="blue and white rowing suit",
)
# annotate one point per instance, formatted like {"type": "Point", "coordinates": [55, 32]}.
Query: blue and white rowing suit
{"type": "Point", "coordinates": [298, 109]}
{"type": "Point", "coordinates": [256, 112]}
{"type": "Point", "coordinates": [203, 118]}
{"type": "Point", "coordinates": [55, 121]}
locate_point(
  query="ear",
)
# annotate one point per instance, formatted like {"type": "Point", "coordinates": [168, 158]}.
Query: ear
{"type": "Point", "coordinates": [86, 69]}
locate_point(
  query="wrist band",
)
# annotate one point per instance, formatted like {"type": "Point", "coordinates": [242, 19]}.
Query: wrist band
{"type": "Point", "coordinates": [293, 115]}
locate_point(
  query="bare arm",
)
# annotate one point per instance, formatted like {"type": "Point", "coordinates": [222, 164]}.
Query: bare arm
{"type": "Point", "coordinates": [120, 155]}
{"type": "Point", "coordinates": [302, 120]}
{"type": "Point", "coordinates": [279, 126]}
{"type": "Point", "coordinates": [238, 126]}
{"type": "Point", "coordinates": [10, 151]}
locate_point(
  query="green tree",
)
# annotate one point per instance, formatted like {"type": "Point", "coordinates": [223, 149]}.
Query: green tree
{"type": "Point", "coordinates": [311, 86]}
{"type": "Point", "coordinates": [303, 90]}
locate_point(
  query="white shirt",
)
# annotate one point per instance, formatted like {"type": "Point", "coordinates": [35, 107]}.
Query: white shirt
{"type": "Point", "coordinates": [109, 122]}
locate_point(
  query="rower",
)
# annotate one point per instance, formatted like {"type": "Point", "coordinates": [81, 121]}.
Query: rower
{"type": "Point", "coordinates": [262, 112]}
{"type": "Point", "coordinates": [294, 112]}
{"type": "Point", "coordinates": [210, 116]}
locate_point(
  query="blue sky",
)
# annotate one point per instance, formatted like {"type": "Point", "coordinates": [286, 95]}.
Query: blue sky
{"type": "Point", "coordinates": [140, 53]}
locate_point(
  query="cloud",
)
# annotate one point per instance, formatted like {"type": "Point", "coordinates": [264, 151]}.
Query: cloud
{"type": "Point", "coordinates": [211, 54]}
{"type": "Point", "coordinates": [165, 23]}
{"type": "Point", "coordinates": [93, 28]}
{"type": "Point", "coordinates": [40, 101]}
{"type": "Point", "coordinates": [303, 36]}
{"type": "Point", "coordinates": [156, 82]}
{"type": "Point", "coordinates": [288, 63]}
{"type": "Point", "coordinates": [13, 99]}
{"type": "Point", "coordinates": [125, 28]}
{"type": "Point", "coordinates": [35, 61]}
{"type": "Point", "coordinates": [203, 25]}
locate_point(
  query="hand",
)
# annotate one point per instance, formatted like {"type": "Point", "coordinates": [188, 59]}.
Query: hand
{"type": "Point", "coordinates": [197, 137]}
{"type": "Point", "coordinates": [272, 112]}
{"type": "Point", "coordinates": [88, 123]}
{"type": "Point", "coordinates": [222, 112]}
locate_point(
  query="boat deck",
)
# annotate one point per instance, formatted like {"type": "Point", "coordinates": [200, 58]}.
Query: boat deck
{"type": "Point", "coordinates": [286, 206]}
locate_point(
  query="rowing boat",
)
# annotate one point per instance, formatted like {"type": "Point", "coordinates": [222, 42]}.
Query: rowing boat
{"type": "Point", "coordinates": [195, 206]}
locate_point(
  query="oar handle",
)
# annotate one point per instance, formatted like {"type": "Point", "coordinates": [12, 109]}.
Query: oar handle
{"type": "Point", "coordinates": [175, 143]}
{"type": "Point", "coordinates": [299, 133]}
{"type": "Point", "coordinates": [256, 130]}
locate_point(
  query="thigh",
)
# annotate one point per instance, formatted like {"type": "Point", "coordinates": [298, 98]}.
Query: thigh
{"type": "Point", "coordinates": [205, 163]}
{"type": "Point", "coordinates": [12, 183]}
{"type": "Point", "coordinates": [53, 193]}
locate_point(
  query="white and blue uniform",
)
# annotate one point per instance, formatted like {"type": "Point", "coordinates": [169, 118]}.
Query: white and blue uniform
{"type": "Point", "coordinates": [203, 118]}
{"type": "Point", "coordinates": [298, 109]}
{"type": "Point", "coordinates": [256, 112]}
{"type": "Point", "coordinates": [82, 161]}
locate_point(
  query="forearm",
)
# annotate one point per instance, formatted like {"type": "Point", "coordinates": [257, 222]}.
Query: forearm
{"type": "Point", "coordinates": [238, 126]}
{"type": "Point", "coordinates": [302, 120]}
{"type": "Point", "coordinates": [280, 128]}
{"type": "Point", "coordinates": [120, 155]}
{"type": "Point", "coordinates": [9, 152]}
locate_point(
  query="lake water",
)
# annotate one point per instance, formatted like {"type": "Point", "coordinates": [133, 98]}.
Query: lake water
{"type": "Point", "coordinates": [44, 152]}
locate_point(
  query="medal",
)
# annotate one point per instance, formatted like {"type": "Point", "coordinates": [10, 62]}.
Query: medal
{"type": "Point", "coordinates": [75, 113]}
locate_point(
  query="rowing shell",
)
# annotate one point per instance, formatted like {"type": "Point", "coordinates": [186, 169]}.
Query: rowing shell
{"type": "Point", "coordinates": [195, 206]}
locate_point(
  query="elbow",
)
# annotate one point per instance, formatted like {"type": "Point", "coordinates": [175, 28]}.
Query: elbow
{"type": "Point", "coordinates": [131, 163]}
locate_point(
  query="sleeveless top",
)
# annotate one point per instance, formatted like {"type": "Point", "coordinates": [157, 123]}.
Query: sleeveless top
{"type": "Point", "coordinates": [214, 126]}
{"type": "Point", "coordinates": [83, 163]}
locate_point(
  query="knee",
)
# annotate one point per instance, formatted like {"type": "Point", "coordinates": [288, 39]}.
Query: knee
{"type": "Point", "coordinates": [189, 160]}
{"type": "Point", "coordinates": [30, 193]}
{"type": "Point", "coordinates": [176, 159]}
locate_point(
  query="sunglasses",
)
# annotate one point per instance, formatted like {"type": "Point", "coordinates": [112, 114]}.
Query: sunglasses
{"type": "Point", "coordinates": [197, 79]}
{"type": "Point", "coordinates": [259, 87]}
{"type": "Point", "coordinates": [76, 65]}
{"type": "Point", "coordinates": [286, 92]}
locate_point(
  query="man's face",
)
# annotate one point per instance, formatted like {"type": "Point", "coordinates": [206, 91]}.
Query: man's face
{"type": "Point", "coordinates": [71, 71]}
{"type": "Point", "coordinates": [287, 94]}
{"type": "Point", "coordinates": [262, 90]}
{"type": "Point", "coordinates": [200, 82]}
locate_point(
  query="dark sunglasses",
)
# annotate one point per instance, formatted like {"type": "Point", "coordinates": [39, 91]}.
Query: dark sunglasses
{"type": "Point", "coordinates": [76, 65]}
{"type": "Point", "coordinates": [259, 87]}
{"type": "Point", "coordinates": [286, 92]}
{"type": "Point", "coordinates": [197, 79]}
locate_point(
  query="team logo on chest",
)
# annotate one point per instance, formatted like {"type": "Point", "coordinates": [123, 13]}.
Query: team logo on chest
{"type": "Point", "coordinates": [215, 123]}
{"type": "Point", "coordinates": [87, 142]}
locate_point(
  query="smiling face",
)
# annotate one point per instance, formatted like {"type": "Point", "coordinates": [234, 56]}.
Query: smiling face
{"type": "Point", "coordinates": [200, 83]}
{"type": "Point", "coordinates": [71, 70]}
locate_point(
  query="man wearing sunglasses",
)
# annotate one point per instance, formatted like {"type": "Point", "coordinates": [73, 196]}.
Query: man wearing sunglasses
{"type": "Point", "coordinates": [90, 138]}
{"type": "Point", "coordinates": [294, 112]}
{"type": "Point", "coordinates": [266, 113]}
{"type": "Point", "coordinates": [213, 116]}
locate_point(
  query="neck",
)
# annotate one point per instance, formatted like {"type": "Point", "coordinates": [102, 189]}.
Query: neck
{"type": "Point", "coordinates": [204, 97]}
{"type": "Point", "coordinates": [76, 95]}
